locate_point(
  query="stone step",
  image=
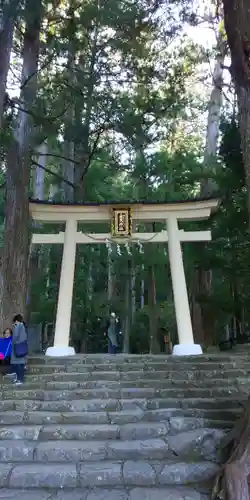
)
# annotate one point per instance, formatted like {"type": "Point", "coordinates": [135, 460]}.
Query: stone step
{"type": "Point", "coordinates": [96, 405]}
{"type": "Point", "coordinates": [104, 474]}
{"type": "Point", "coordinates": [74, 444]}
{"type": "Point", "coordinates": [89, 432]}
{"type": "Point", "coordinates": [139, 430]}
{"type": "Point", "coordinates": [99, 427]}
{"type": "Point", "coordinates": [167, 372]}
{"type": "Point", "coordinates": [73, 451]}
{"type": "Point", "coordinates": [229, 414]}
{"type": "Point", "coordinates": [104, 493]}
{"type": "Point", "coordinates": [71, 385]}
{"type": "Point", "coordinates": [22, 393]}
{"type": "Point", "coordinates": [138, 380]}
{"type": "Point", "coordinates": [138, 377]}
{"type": "Point", "coordinates": [127, 359]}
{"type": "Point", "coordinates": [182, 418]}
{"type": "Point", "coordinates": [69, 395]}
{"type": "Point", "coordinates": [138, 368]}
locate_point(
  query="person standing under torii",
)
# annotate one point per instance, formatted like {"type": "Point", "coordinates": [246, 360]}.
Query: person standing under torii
{"type": "Point", "coordinates": [113, 331]}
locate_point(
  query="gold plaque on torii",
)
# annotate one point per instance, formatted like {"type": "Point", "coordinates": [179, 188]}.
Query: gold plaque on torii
{"type": "Point", "coordinates": [121, 222]}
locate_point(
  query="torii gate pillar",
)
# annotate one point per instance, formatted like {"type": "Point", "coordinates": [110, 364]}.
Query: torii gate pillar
{"type": "Point", "coordinates": [64, 304]}
{"type": "Point", "coordinates": [186, 344]}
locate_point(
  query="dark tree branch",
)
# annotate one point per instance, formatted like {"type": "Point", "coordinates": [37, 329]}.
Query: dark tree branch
{"type": "Point", "coordinates": [93, 149]}
{"type": "Point", "coordinates": [43, 66]}
{"type": "Point", "coordinates": [58, 176]}
{"type": "Point", "coordinates": [60, 157]}
{"type": "Point", "coordinates": [102, 128]}
{"type": "Point", "coordinates": [37, 118]}
{"type": "Point", "coordinates": [91, 155]}
{"type": "Point", "coordinates": [40, 138]}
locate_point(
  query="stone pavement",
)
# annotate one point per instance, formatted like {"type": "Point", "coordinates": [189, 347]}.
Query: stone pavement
{"type": "Point", "coordinates": [179, 493]}
{"type": "Point", "coordinates": [118, 428]}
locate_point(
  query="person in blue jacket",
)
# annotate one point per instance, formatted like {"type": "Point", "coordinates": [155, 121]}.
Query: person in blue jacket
{"type": "Point", "coordinates": [6, 351]}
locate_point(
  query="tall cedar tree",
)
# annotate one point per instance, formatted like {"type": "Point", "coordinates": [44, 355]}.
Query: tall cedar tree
{"type": "Point", "coordinates": [16, 228]}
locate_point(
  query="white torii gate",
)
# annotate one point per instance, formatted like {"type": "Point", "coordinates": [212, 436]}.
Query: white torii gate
{"type": "Point", "coordinates": [169, 213]}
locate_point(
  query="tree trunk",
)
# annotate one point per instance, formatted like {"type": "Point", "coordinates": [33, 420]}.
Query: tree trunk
{"type": "Point", "coordinates": [237, 24]}
{"type": "Point", "coordinates": [244, 119]}
{"type": "Point", "coordinates": [55, 252]}
{"type": "Point", "coordinates": [204, 329]}
{"type": "Point", "coordinates": [214, 113]}
{"type": "Point", "coordinates": [36, 251]}
{"type": "Point", "coordinates": [68, 169]}
{"type": "Point", "coordinates": [90, 286]}
{"type": "Point", "coordinates": [127, 321]}
{"type": "Point", "coordinates": [133, 292]}
{"type": "Point", "coordinates": [53, 191]}
{"type": "Point", "coordinates": [39, 174]}
{"type": "Point", "coordinates": [16, 229]}
{"type": "Point", "coordinates": [153, 317]}
{"type": "Point", "coordinates": [84, 150]}
{"type": "Point", "coordinates": [196, 309]}
{"type": "Point", "coordinates": [208, 316]}
{"type": "Point", "coordinates": [7, 21]}
{"type": "Point", "coordinates": [237, 310]}
{"type": "Point", "coordinates": [232, 481]}
{"type": "Point", "coordinates": [110, 279]}
{"type": "Point", "coordinates": [68, 166]}
{"type": "Point", "coordinates": [154, 345]}
{"type": "Point", "coordinates": [142, 287]}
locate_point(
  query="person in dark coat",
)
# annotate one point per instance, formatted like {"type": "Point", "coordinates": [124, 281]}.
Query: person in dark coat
{"type": "Point", "coordinates": [19, 336]}
{"type": "Point", "coordinates": [113, 330]}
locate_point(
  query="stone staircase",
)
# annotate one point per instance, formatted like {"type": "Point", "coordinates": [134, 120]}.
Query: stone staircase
{"type": "Point", "coordinates": [118, 428]}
